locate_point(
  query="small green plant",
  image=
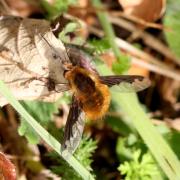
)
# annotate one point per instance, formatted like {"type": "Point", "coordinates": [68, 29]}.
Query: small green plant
{"type": "Point", "coordinates": [71, 27]}
{"type": "Point", "coordinates": [100, 45]}
{"type": "Point", "coordinates": [83, 154]}
{"type": "Point", "coordinates": [42, 112]}
{"type": "Point", "coordinates": [57, 8]}
{"type": "Point", "coordinates": [141, 167]}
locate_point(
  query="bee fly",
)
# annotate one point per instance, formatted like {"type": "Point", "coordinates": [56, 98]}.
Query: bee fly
{"type": "Point", "coordinates": [91, 96]}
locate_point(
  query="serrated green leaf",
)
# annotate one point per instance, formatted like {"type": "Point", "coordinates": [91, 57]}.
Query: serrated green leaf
{"type": "Point", "coordinates": [83, 154]}
{"type": "Point", "coordinates": [139, 168]}
{"type": "Point", "coordinates": [25, 130]}
{"type": "Point", "coordinates": [42, 112]}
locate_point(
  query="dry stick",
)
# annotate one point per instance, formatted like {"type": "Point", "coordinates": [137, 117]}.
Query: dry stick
{"type": "Point", "coordinates": [155, 68]}
{"type": "Point", "coordinates": [151, 63]}
{"type": "Point", "coordinates": [148, 39]}
{"type": "Point", "coordinates": [147, 57]}
{"type": "Point", "coordinates": [137, 20]}
{"type": "Point", "coordinates": [4, 8]}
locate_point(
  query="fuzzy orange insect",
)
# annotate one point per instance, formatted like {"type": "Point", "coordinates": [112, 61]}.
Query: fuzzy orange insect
{"type": "Point", "coordinates": [90, 94]}
{"type": "Point", "coordinates": [89, 91]}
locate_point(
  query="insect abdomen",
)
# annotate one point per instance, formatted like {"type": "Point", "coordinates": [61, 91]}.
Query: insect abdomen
{"type": "Point", "coordinates": [97, 104]}
{"type": "Point", "coordinates": [94, 96]}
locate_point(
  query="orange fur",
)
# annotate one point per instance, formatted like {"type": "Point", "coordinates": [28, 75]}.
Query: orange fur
{"type": "Point", "coordinates": [96, 99]}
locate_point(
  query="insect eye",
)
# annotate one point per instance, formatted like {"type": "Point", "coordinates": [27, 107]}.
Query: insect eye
{"type": "Point", "coordinates": [55, 56]}
{"type": "Point", "coordinates": [64, 73]}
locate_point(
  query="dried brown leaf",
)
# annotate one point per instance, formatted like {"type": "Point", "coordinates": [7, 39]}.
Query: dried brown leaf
{"type": "Point", "coordinates": [30, 58]}
{"type": "Point", "coordinates": [148, 10]}
{"type": "Point", "coordinates": [23, 8]}
{"type": "Point", "coordinates": [7, 168]}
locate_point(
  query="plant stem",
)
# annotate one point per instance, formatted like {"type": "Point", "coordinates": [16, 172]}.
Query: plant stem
{"type": "Point", "coordinates": [109, 32]}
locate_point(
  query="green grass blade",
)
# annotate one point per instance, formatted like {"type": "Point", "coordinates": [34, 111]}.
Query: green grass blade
{"type": "Point", "coordinates": [161, 151]}
{"type": "Point", "coordinates": [159, 148]}
{"type": "Point", "coordinates": [51, 141]}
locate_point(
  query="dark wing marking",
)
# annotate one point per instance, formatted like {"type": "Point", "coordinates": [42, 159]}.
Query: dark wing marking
{"type": "Point", "coordinates": [126, 83]}
{"type": "Point", "coordinates": [74, 127]}
{"type": "Point", "coordinates": [80, 58]}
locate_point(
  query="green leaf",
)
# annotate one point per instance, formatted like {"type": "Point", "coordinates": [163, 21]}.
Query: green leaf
{"type": "Point", "coordinates": [171, 20]}
{"type": "Point", "coordinates": [42, 112]}
{"type": "Point", "coordinates": [28, 132]}
{"type": "Point", "coordinates": [127, 145]}
{"type": "Point", "coordinates": [57, 8]}
{"type": "Point", "coordinates": [50, 9]}
{"type": "Point", "coordinates": [100, 45]}
{"type": "Point", "coordinates": [83, 154]}
{"type": "Point", "coordinates": [85, 151]}
{"type": "Point", "coordinates": [139, 168]}
{"type": "Point", "coordinates": [63, 5]}
{"type": "Point", "coordinates": [71, 27]}
{"type": "Point", "coordinates": [118, 67]}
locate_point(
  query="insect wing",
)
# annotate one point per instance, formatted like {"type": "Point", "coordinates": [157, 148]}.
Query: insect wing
{"type": "Point", "coordinates": [80, 58]}
{"type": "Point", "coordinates": [74, 127]}
{"type": "Point", "coordinates": [126, 83]}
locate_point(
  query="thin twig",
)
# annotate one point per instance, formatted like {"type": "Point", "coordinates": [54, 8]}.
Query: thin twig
{"type": "Point", "coordinates": [148, 39]}
{"type": "Point", "coordinates": [137, 20]}
{"type": "Point", "coordinates": [4, 8]}
{"type": "Point", "coordinates": [90, 10]}
{"type": "Point", "coordinates": [155, 68]}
